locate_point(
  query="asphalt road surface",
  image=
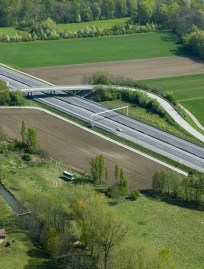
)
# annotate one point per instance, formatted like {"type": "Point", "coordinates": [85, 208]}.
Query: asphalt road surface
{"type": "Point", "coordinates": [171, 146]}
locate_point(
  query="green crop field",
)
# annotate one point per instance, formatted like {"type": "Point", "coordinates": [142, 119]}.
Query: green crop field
{"type": "Point", "coordinates": [196, 108]}
{"type": "Point", "coordinates": [88, 50]}
{"type": "Point", "coordinates": [189, 91]}
{"type": "Point", "coordinates": [103, 24]}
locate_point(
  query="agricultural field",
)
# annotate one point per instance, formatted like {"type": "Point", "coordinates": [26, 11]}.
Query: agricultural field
{"type": "Point", "coordinates": [188, 90]}
{"type": "Point", "coordinates": [64, 143]}
{"type": "Point", "coordinates": [99, 49]}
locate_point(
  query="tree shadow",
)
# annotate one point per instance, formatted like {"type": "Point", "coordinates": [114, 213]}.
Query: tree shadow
{"type": "Point", "coordinates": [84, 180]}
{"type": "Point", "coordinates": [38, 259]}
{"type": "Point", "coordinates": [151, 194]}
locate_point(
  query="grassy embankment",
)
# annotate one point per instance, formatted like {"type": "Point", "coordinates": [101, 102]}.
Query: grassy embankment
{"type": "Point", "coordinates": [189, 92]}
{"type": "Point", "coordinates": [153, 119]}
{"type": "Point", "coordinates": [159, 223]}
{"type": "Point", "coordinates": [88, 50]}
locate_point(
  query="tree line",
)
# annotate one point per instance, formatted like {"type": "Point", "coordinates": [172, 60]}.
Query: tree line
{"type": "Point", "coordinates": [185, 18]}
{"type": "Point", "coordinates": [189, 189]}
{"type": "Point", "coordinates": [182, 13]}
{"type": "Point", "coordinates": [27, 146]}
{"type": "Point", "coordinates": [47, 30]}
{"type": "Point", "coordinates": [120, 189]}
{"type": "Point", "coordinates": [136, 97]}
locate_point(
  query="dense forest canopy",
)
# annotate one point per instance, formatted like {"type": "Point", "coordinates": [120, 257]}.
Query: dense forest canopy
{"type": "Point", "coordinates": [187, 12]}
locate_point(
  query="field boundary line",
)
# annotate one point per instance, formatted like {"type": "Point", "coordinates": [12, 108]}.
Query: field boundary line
{"type": "Point", "coordinates": [100, 135]}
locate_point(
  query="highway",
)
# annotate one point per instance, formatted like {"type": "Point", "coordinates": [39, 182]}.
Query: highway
{"type": "Point", "coordinates": [173, 147]}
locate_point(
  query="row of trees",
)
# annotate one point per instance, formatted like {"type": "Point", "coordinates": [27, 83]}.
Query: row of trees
{"type": "Point", "coordinates": [101, 78]}
{"type": "Point", "coordinates": [26, 147]}
{"type": "Point", "coordinates": [120, 189]}
{"type": "Point", "coordinates": [189, 189]}
{"type": "Point", "coordinates": [63, 11]}
{"type": "Point", "coordinates": [47, 31]}
{"type": "Point", "coordinates": [180, 13]}
{"type": "Point", "coordinates": [135, 97]}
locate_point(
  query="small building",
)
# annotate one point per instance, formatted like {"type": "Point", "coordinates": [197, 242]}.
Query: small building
{"type": "Point", "coordinates": [2, 234]}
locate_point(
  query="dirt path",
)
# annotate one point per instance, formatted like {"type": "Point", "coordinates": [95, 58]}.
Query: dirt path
{"type": "Point", "coordinates": [135, 69]}
{"type": "Point", "coordinates": [75, 147]}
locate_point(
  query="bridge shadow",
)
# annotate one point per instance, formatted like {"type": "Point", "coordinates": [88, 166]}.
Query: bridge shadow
{"type": "Point", "coordinates": [46, 95]}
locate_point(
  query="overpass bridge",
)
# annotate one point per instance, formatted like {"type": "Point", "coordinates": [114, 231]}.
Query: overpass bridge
{"type": "Point", "coordinates": [53, 89]}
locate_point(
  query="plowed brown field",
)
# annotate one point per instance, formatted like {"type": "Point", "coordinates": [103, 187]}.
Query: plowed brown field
{"type": "Point", "coordinates": [135, 69]}
{"type": "Point", "coordinates": [75, 147]}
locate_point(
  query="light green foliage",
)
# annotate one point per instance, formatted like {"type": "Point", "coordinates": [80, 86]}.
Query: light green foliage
{"type": "Point", "coordinates": [138, 255]}
{"type": "Point", "coordinates": [145, 10]}
{"type": "Point", "coordinates": [4, 93]}
{"type": "Point", "coordinates": [106, 174]}
{"type": "Point", "coordinates": [124, 184]}
{"type": "Point", "coordinates": [51, 242]}
{"type": "Point", "coordinates": [16, 98]}
{"type": "Point", "coordinates": [97, 168]}
{"type": "Point", "coordinates": [23, 132]}
{"type": "Point", "coordinates": [101, 229]}
{"type": "Point", "coordinates": [101, 167]}
{"type": "Point", "coordinates": [31, 139]}
{"type": "Point", "coordinates": [49, 24]}
{"type": "Point", "coordinates": [195, 42]}
{"type": "Point", "coordinates": [120, 189]}
{"type": "Point", "coordinates": [135, 194]}
{"type": "Point", "coordinates": [189, 189]}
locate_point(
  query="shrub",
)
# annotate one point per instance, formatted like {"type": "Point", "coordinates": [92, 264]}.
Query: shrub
{"type": "Point", "coordinates": [27, 157]}
{"type": "Point", "coordinates": [135, 194]}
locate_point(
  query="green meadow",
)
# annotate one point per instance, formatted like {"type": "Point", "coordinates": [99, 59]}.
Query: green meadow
{"type": "Point", "coordinates": [88, 50]}
{"type": "Point", "coordinates": [103, 24]}
{"type": "Point", "coordinates": [157, 223]}
{"type": "Point", "coordinates": [8, 31]}
{"type": "Point", "coordinates": [167, 226]}
{"type": "Point", "coordinates": [189, 91]}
